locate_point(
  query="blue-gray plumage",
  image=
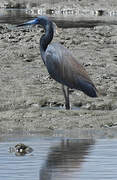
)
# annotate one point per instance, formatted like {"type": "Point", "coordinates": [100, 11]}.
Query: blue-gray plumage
{"type": "Point", "coordinates": [61, 64]}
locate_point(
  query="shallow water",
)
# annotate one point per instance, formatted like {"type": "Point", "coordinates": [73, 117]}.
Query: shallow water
{"type": "Point", "coordinates": [60, 11]}
{"type": "Point", "coordinates": [13, 16]}
{"type": "Point", "coordinates": [59, 158]}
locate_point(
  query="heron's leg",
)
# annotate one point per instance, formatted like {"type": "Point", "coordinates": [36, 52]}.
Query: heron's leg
{"type": "Point", "coordinates": [66, 95]}
{"type": "Point", "coordinates": [68, 102]}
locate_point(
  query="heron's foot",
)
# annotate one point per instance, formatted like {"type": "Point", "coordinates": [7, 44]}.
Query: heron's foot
{"type": "Point", "coordinates": [67, 106]}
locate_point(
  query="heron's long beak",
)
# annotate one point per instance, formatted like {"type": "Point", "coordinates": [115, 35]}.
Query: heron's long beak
{"type": "Point", "coordinates": [32, 22]}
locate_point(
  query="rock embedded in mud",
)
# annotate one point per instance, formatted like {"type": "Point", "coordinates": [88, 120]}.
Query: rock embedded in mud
{"type": "Point", "coordinates": [43, 102]}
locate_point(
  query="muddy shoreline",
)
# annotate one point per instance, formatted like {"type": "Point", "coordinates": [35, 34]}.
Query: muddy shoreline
{"type": "Point", "coordinates": [32, 102]}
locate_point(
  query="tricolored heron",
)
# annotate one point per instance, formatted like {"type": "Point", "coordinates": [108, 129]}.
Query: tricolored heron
{"type": "Point", "coordinates": [60, 63]}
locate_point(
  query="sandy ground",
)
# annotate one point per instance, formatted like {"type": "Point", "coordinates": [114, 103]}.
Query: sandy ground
{"type": "Point", "coordinates": [31, 101]}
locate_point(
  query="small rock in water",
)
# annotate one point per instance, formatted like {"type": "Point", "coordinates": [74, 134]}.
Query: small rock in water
{"type": "Point", "coordinates": [20, 149]}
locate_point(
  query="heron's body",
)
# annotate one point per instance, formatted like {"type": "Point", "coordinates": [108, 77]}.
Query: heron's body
{"type": "Point", "coordinates": [65, 69]}
{"type": "Point", "coordinates": [61, 64]}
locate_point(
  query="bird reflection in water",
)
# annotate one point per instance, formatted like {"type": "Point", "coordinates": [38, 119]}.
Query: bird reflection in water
{"type": "Point", "coordinates": [65, 160]}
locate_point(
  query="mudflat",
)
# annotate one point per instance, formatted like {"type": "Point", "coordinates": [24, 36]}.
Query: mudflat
{"type": "Point", "coordinates": [32, 101]}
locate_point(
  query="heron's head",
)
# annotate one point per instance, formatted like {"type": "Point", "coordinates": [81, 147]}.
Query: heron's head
{"type": "Point", "coordinates": [41, 20]}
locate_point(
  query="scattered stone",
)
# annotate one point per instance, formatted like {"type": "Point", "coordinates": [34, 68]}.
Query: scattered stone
{"type": "Point", "coordinates": [44, 102]}
{"type": "Point", "coordinates": [99, 12]}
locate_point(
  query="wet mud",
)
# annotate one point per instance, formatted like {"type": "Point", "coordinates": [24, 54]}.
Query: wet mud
{"type": "Point", "coordinates": [32, 101]}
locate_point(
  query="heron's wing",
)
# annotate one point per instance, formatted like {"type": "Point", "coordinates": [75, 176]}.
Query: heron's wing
{"type": "Point", "coordinates": [64, 68]}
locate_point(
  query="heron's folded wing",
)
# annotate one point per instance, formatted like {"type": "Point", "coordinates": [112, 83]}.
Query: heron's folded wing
{"type": "Point", "coordinates": [64, 68]}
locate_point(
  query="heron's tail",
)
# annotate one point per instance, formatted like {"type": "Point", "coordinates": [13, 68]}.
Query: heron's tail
{"type": "Point", "coordinates": [91, 92]}
{"type": "Point", "coordinates": [89, 89]}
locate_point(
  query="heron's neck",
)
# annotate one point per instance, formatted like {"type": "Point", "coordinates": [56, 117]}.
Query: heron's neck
{"type": "Point", "coordinates": [46, 38]}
